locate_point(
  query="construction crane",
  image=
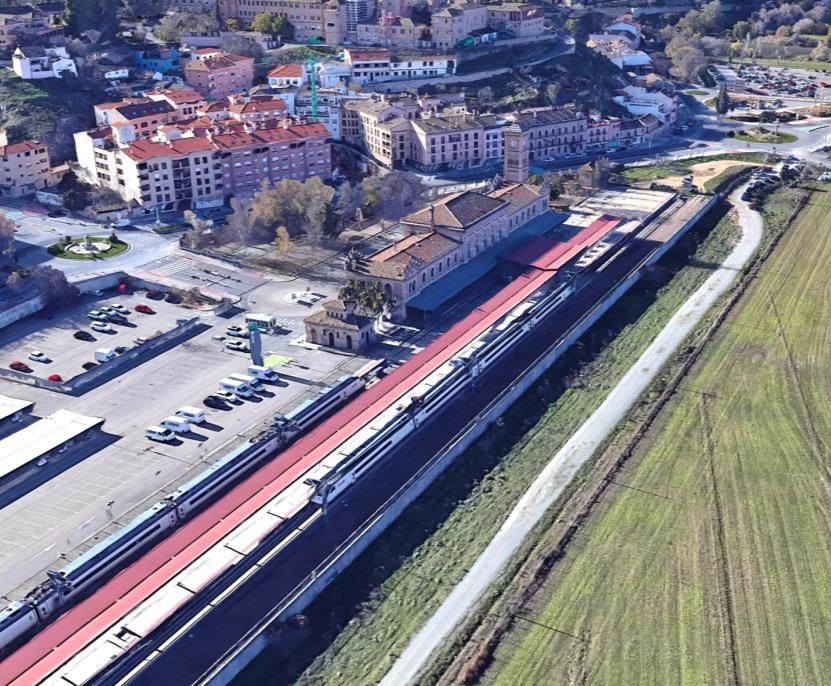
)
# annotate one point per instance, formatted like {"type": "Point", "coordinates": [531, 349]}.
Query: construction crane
{"type": "Point", "coordinates": [313, 85]}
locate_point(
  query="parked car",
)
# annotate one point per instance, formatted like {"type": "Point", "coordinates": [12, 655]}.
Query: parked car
{"type": "Point", "coordinates": [121, 349]}
{"type": "Point", "coordinates": [120, 309]}
{"type": "Point", "coordinates": [228, 396]}
{"type": "Point", "coordinates": [144, 309]}
{"type": "Point", "coordinates": [102, 327]}
{"type": "Point", "coordinates": [54, 377]}
{"type": "Point", "coordinates": [215, 402]}
{"type": "Point", "coordinates": [139, 340]}
{"type": "Point", "coordinates": [97, 315]}
{"type": "Point", "coordinates": [117, 318]}
{"type": "Point", "coordinates": [89, 365]}
{"type": "Point", "coordinates": [120, 223]}
{"type": "Point", "coordinates": [173, 298]}
{"type": "Point", "coordinates": [83, 336]}
{"type": "Point", "coordinates": [155, 295]}
{"type": "Point", "coordinates": [97, 294]}
{"type": "Point", "coordinates": [56, 213]}
{"type": "Point", "coordinates": [38, 356]}
{"type": "Point", "coordinates": [237, 331]}
{"type": "Point", "coordinates": [20, 366]}
{"type": "Point", "coordinates": [237, 345]}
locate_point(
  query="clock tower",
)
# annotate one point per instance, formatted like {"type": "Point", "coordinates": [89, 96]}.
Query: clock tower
{"type": "Point", "coordinates": [516, 155]}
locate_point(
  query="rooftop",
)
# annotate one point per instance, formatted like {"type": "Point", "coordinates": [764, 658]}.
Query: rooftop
{"type": "Point", "coordinates": [414, 250]}
{"type": "Point", "coordinates": [287, 71]}
{"type": "Point", "coordinates": [456, 211]}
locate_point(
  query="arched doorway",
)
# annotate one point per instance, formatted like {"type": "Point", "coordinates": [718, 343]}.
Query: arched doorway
{"type": "Point", "coordinates": [348, 342]}
{"type": "Point", "coordinates": [314, 336]}
{"type": "Point", "coordinates": [331, 340]}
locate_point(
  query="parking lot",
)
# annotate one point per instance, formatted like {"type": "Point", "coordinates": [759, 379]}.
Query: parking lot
{"type": "Point", "coordinates": [772, 81]}
{"type": "Point", "coordinates": [55, 333]}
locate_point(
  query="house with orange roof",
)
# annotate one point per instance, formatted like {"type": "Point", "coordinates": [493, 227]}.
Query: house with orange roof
{"type": "Point", "coordinates": [219, 74]}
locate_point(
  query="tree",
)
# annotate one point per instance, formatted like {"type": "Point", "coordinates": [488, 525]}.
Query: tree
{"type": "Point", "coordinates": [142, 8]}
{"type": "Point", "coordinates": [390, 196]}
{"type": "Point", "coordinates": [271, 24]}
{"type": "Point", "coordinates": [50, 282]}
{"type": "Point", "coordinates": [233, 24]}
{"type": "Point", "coordinates": [298, 207]}
{"type": "Point", "coordinates": [240, 226]}
{"type": "Point", "coordinates": [741, 30]}
{"type": "Point", "coordinates": [81, 15]}
{"type": "Point", "coordinates": [282, 241]}
{"type": "Point", "coordinates": [7, 228]}
{"type": "Point", "coordinates": [722, 101]}
{"type": "Point", "coordinates": [551, 92]}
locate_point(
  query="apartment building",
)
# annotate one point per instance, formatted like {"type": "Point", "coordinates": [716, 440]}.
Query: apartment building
{"type": "Point", "coordinates": [368, 65]}
{"type": "Point", "coordinates": [456, 141]}
{"type": "Point", "coordinates": [380, 127]}
{"type": "Point", "coordinates": [394, 32]}
{"type": "Point", "coordinates": [522, 20]}
{"type": "Point", "coordinates": [451, 25]}
{"type": "Point", "coordinates": [182, 168]}
{"type": "Point", "coordinates": [219, 75]}
{"type": "Point", "coordinates": [324, 21]}
{"type": "Point", "coordinates": [639, 131]}
{"type": "Point", "coordinates": [551, 132]}
{"type": "Point", "coordinates": [27, 20]}
{"type": "Point", "coordinates": [602, 134]}
{"type": "Point", "coordinates": [25, 168]}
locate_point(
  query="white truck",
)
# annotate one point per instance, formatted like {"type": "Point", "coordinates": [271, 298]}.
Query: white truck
{"type": "Point", "coordinates": [235, 386]}
{"type": "Point", "coordinates": [251, 381]}
{"type": "Point", "coordinates": [264, 373]}
{"type": "Point", "coordinates": [104, 354]}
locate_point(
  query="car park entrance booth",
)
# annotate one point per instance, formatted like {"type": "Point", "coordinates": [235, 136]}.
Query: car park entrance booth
{"type": "Point", "coordinates": [50, 436]}
{"type": "Point", "coordinates": [264, 322]}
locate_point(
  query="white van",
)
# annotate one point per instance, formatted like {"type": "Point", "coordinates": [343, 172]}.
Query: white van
{"type": "Point", "coordinates": [192, 414]}
{"type": "Point", "coordinates": [250, 381]}
{"type": "Point", "coordinates": [104, 354]}
{"type": "Point", "coordinates": [176, 424]}
{"type": "Point", "coordinates": [236, 387]}
{"type": "Point", "coordinates": [157, 433]}
{"type": "Point", "coordinates": [264, 373]}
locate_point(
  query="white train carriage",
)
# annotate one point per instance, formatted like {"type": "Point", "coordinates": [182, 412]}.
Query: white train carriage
{"type": "Point", "coordinates": [16, 619]}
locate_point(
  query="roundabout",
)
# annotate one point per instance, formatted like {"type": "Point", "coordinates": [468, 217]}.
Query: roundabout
{"type": "Point", "coordinates": [88, 247]}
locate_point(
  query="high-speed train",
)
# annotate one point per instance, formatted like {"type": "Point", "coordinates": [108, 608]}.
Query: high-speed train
{"type": "Point", "coordinates": [80, 576]}
{"type": "Point", "coordinates": [372, 443]}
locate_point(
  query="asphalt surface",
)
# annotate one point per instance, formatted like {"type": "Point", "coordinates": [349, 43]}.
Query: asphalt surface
{"type": "Point", "coordinates": [189, 656]}
{"type": "Point", "coordinates": [579, 448]}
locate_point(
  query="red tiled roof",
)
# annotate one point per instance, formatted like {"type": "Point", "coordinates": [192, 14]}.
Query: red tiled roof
{"type": "Point", "coordinates": [17, 148]}
{"type": "Point", "coordinates": [182, 96]}
{"type": "Point", "coordinates": [144, 150]}
{"type": "Point", "coordinates": [217, 63]}
{"type": "Point", "coordinates": [365, 55]}
{"type": "Point", "coordinates": [259, 105]}
{"type": "Point", "coordinates": [287, 71]}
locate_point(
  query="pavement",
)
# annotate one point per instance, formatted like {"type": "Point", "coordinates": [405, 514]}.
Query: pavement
{"type": "Point", "coordinates": [580, 447]}
{"type": "Point", "coordinates": [36, 231]}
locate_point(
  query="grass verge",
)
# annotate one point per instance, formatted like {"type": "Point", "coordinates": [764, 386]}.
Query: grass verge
{"type": "Point", "coordinates": [769, 138]}
{"type": "Point", "coordinates": [720, 181]}
{"type": "Point", "coordinates": [350, 634]}
{"type": "Point", "coordinates": [678, 167]}
{"type": "Point", "coordinates": [696, 92]}
{"type": "Point", "coordinates": [709, 560]}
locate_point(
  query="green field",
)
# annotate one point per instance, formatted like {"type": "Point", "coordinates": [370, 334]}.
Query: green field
{"type": "Point", "coordinates": [788, 64]}
{"type": "Point", "coordinates": [678, 167]}
{"type": "Point", "coordinates": [371, 611]}
{"type": "Point", "coordinates": [717, 570]}
{"type": "Point", "coordinates": [695, 92]}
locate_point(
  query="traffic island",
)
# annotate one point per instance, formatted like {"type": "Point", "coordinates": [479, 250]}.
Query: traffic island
{"type": "Point", "coordinates": [88, 247]}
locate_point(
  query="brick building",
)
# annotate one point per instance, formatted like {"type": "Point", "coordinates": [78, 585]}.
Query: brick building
{"type": "Point", "coordinates": [220, 75]}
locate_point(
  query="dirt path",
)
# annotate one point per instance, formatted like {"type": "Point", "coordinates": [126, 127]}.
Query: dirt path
{"type": "Point", "coordinates": [704, 171]}
{"type": "Point", "coordinates": [580, 447]}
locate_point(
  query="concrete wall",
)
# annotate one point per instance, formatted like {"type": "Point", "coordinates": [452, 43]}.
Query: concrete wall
{"type": "Point", "coordinates": [21, 310]}
{"type": "Point", "coordinates": [341, 558]}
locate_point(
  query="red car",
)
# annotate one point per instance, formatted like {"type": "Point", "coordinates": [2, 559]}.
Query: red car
{"type": "Point", "coordinates": [144, 309]}
{"type": "Point", "coordinates": [20, 367]}
{"type": "Point", "coordinates": [55, 377]}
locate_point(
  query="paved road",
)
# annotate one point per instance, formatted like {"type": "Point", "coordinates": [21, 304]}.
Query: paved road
{"type": "Point", "coordinates": [580, 447]}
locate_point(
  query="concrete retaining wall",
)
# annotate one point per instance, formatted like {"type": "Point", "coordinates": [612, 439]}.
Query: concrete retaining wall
{"type": "Point", "coordinates": [228, 668]}
{"type": "Point", "coordinates": [21, 310]}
